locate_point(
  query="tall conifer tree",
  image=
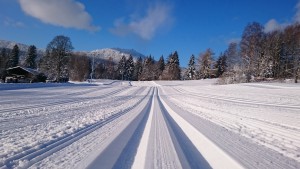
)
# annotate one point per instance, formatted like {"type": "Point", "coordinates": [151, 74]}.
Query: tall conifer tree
{"type": "Point", "coordinates": [30, 57]}
{"type": "Point", "coordinates": [14, 57]}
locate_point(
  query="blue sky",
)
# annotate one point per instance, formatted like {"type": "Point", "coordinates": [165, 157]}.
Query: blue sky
{"type": "Point", "coordinates": [156, 27]}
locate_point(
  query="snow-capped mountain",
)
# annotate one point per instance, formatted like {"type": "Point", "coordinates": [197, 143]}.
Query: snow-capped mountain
{"type": "Point", "coordinates": [115, 53]}
{"type": "Point", "coordinates": [100, 54]}
{"type": "Point", "coordinates": [10, 45]}
{"type": "Point", "coordinates": [23, 48]}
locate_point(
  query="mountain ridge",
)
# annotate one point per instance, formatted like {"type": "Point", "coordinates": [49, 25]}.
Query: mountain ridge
{"type": "Point", "coordinates": [102, 54]}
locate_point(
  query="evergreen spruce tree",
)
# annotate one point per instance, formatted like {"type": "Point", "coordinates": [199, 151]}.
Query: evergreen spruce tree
{"type": "Point", "coordinates": [122, 67]}
{"type": "Point", "coordinates": [174, 66]}
{"type": "Point", "coordinates": [138, 68]}
{"type": "Point", "coordinates": [221, 65]}
{"type": "Point", "coordinates": [160, 67]}
{"type": "Point", "coordinates": [14, 57]}
{"type": "Point", "coordinates": [191, 72]}
{"type": "Point", "coordinates": [30, 57]}
{"type": "Point", "coordinates": [129, 68]}
{"type": "Point", "coordinates": [172, 70]}
{"type": "Point", "coordinates": [3, 63]}
{"type": "Point", "coordinates": [3, 59]}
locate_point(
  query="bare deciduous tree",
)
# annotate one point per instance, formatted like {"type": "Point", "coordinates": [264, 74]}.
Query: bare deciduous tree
{"type": "Point", "coordinates": [56, 58]}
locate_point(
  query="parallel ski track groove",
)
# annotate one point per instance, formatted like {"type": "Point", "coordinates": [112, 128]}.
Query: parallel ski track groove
{"type": "Point", "coordinates": [128, 150]}
{"type": "Point", "coordinates": [230, 139]}
{"type": "Point", "coordinates": [61, 102]}
{"type": "Point", "coordinates": [237, 100]}
{"type": "Point", "coordinates": [63, 112]}
{"type": "Point", "coordinates": [192, 157]}
{"type": "Point", "coordinates": [51, 147]}
{"type": "Point", "coordinates": [271, 124]}
{"type": "Point", "coordinates": [279, 133]}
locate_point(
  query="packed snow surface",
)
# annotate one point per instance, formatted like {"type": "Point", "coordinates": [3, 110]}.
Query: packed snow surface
{"type": "Point", "coordinates": [161, 124]}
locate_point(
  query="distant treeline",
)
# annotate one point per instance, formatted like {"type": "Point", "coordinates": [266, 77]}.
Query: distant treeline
{"type": "Point", "coordinates": [60, 63]}
{"type": "Point", "coordinates": [258, 56]}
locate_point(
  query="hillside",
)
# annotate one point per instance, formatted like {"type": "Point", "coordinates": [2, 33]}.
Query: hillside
{"type": "Point", "coordinates": [101, 54]}
{"type": "Point", "coordinates": [23, 49]}
{"type": "Point", "coordinates": [115, 53]}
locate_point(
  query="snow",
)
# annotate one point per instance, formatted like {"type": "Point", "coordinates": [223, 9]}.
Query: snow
{"type": "Point", "coordinates": [157, 124]}
{"type": "Point", "coordinates": [140, 157]}
{"type": "Point", "coordinates": [265, 113]}
{"type": "Point", "coordinates": [115, 53]}
{"type": "Point", "coordinates": [210, 151]}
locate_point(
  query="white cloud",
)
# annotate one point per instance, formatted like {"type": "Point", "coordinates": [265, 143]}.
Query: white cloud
{"type": "Point", "coordinates": [157, 16]}
{"type": "Point", "coordinates": [297, 15]}
{"type": "Point", "coordinates": [273, 25]}
{"type": "Point", "coordinates": [12, 23]}
{"type": "Point", "coordinates": [65, 13]}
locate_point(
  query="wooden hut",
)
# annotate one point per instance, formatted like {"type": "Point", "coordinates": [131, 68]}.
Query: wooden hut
{"type": "Point", "coordinates": [20, 74]}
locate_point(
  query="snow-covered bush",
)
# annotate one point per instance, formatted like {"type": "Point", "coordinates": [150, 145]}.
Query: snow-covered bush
{"type": "Point", "coordinates": [233, 77]}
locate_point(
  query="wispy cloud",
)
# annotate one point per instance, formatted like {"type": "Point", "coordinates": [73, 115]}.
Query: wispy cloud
{"type": "Point", "coordinates": [157, 16]}
{"type": "Point", "coordinates": [297, 15]}
{"type": "Point", "coordinates": [13, 23]}
{"type": "Point", "coordinates": [233, 40]}
{"type": "Point", "coordinates": [273, 25]}
{"type": "Point", "coordinates": [65, 13]}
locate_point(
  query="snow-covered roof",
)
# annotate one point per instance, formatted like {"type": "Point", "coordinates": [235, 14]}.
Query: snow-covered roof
{"type": "Point", "coordinates": [29, 70]}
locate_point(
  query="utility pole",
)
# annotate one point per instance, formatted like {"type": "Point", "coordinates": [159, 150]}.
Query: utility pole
{"type": "Point", "coordinates": [93, 66]}
{"type": "Point", "coordinates": [297, 65]}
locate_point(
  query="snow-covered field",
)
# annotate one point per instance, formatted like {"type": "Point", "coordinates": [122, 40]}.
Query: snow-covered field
{"type": "Point", "coordinates": [178, 124]}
